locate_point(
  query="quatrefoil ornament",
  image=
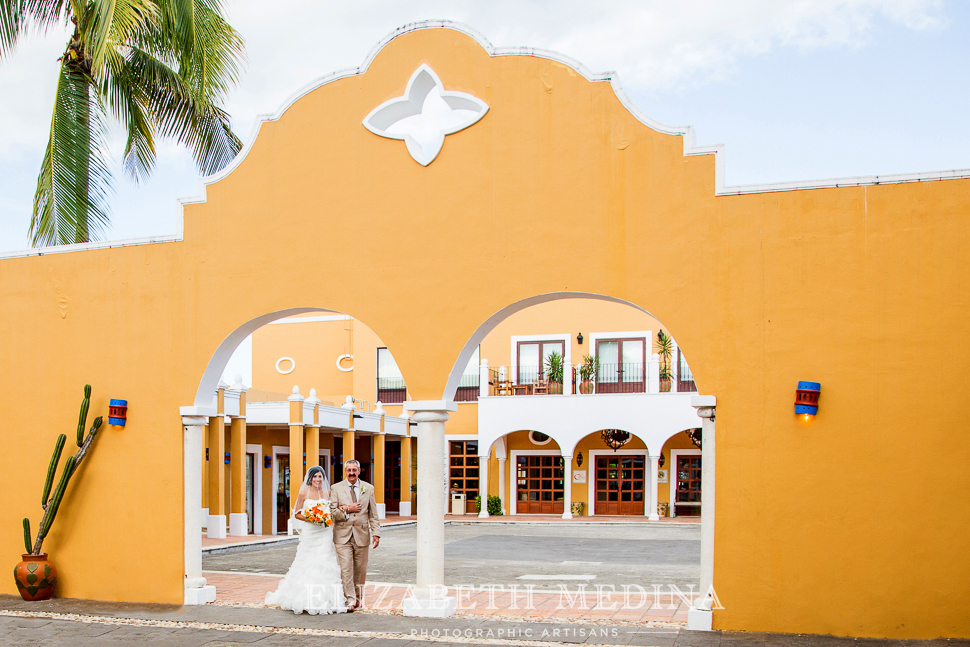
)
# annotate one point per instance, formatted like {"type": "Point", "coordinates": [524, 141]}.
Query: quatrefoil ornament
{"type": "Point", "coordinates": [425, 115]}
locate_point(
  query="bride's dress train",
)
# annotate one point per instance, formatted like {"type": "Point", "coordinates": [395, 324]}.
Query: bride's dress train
{"type": "Point", "coordinates": [313, 582]}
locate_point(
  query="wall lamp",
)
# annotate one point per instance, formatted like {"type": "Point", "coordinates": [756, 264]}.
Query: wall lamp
{"type": "Point", "coordinates": [579, 457]}
{"type": "Point", "coordinates": [579, 339]}
{"type": "Point", "coordinates": [806, 399]}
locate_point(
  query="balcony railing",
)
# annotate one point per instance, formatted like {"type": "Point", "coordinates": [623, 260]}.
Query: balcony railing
{"type": "Point", "coordinates": [626, 377]}
{"type": "Point", "coordinates": [611, 377]}
{"type": "Point", "coordinates": [468, 389]}
{"type": "Point", "coordinates": [391, 390]}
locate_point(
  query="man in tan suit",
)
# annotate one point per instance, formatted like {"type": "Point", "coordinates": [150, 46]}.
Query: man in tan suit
{"type": "Point", "coordinates": [356, 527]}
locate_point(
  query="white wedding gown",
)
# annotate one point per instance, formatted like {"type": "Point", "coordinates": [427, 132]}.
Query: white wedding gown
{"type": "Point", "coordinates": [313, 582]}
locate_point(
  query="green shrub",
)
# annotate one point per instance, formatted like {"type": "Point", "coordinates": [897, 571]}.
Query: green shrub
{"type": "Point", "coordinates": [494, 505]}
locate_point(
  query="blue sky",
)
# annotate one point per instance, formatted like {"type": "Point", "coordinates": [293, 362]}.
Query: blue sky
{"type": "Point", "coordinates": [795, 91]}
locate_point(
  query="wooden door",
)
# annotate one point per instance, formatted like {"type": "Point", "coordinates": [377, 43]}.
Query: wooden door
{"type": "Point", "coordinates": [282, 493]}
{"type": "Point", "coordinates": [392, 476]}
{"type": "Point", "coordinates": [463, 472]}
{"type": "Point", "coordinates": [688, 486]}
{"type": "Point", "coordinates": [620, 485]}
{"type": "Point", "coordinates": [540, 483]}
{"type": "Point", "coordinates": [364, 456]}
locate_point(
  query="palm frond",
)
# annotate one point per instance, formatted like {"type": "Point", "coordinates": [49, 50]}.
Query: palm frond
{"type": "Point", "coordinates": [17, 17]}
{"type": "Point", "coordinates": [70, 203]}
{"type": "Point", "coordinates": [110, 23]}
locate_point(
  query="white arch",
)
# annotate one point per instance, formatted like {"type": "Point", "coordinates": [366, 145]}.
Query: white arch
{"type": "Point", "coordinates": [217, 363]}
{"type": "Point", "coordinates": [454, 378]}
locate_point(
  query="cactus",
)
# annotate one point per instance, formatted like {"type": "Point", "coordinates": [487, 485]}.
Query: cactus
{"type": "Point", "coordinates": [55, 459]}
{"type": "Point", "coordinates": [82, 419]}
{"type": "Point", "coordinates": [52, 504]}
{"type": "Point", "coordinates": [27, 534]}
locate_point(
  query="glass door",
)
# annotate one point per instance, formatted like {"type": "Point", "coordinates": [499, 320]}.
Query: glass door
{"type": "Point", "coordinates": [282, 493]}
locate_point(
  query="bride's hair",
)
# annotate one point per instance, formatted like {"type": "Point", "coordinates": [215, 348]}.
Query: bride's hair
{"type": "Point", "coordinates": [313, 471]}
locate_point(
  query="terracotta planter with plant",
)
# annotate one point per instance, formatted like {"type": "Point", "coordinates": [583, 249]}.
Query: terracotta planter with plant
{"type": "Point", "coordinates": [664, 345]}
{"type": "Point", "coordinates": [587, 374]}
{"type": "Point", "coordinates": [554, 372]}
{"type": "Point", "coordinates": [35, 575]}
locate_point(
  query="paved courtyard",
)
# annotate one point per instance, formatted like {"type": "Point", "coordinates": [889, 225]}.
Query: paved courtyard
{"type": "Point", "coordinates": [545, 555]}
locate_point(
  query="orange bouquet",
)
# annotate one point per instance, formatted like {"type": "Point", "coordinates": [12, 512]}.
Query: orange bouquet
{"type": "Point", "coordinates": [319, 514]}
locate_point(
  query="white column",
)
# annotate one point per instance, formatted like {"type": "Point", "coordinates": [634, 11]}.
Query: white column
{"type": "Point", "coordinates": [501, 482]}
{"type": "Point", "coordinates": [700, 616]}
{"type": "Point", "coordinates": [567, 379]}
{"type": "Point", "coordinates": [483, 379]}
{"type": "Point", "coordinates": [196, 590]}
{"type": "Point", "coordinates": [567, 487]}
{"type": "Point", "coordinates": [653, 372]}
{"type": "Point", "coordinates": [430, 599]}
{"type": "Point", "coordinates": [651, 511]}
{"type": "Point", "coordinates": [483, 485]}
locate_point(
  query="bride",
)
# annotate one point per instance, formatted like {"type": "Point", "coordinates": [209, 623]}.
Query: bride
{"type": "Point", "coordinates": [313, 582]}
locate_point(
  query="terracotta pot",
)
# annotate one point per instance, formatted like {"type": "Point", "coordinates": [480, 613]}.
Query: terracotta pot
{"type": "Point", "coordinates": [555, 388]}
{"type": "Point", "coordinates": [586, 387]}
{"type": "Point", "coordinates": [35, 577]}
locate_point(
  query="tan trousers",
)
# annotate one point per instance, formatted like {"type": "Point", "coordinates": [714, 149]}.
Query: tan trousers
{"type": "Point", "coordinates": [353, 570]}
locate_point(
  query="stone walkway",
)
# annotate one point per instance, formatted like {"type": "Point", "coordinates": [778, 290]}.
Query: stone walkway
{"type": "Point", "coordinates": [84, 623]}
{"type": "Point", "coordinates": [567, 605]}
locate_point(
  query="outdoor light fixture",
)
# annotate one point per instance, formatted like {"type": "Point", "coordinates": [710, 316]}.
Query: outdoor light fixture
{"type": "Point", "coordinates": [267, 462]}
{"type": "Point", "coordinates": [579, 459]}
{"type": "Point", "coordinates": [615, 438]}
{"type": "Point", "coordinates": [579, 339]}
{"type": "Point", "coordinates": [117, 412]}
{"type": "Point", "coordinates": [806, 399]}
{"type": "Point", "coordinates": [660, 463]}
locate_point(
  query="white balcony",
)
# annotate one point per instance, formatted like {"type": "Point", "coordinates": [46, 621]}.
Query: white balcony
{"type": "Point", "coordinates": [567, 419]}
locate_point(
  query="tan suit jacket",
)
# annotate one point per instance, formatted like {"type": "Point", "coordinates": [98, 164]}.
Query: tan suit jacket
{"type": "Point", "coordinates": [354, 525]}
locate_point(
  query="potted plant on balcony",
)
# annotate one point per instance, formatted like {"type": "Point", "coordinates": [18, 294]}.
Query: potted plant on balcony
{"type": "Point", "coordinates": [587, 373]}
{"type": "Point", "coordinates": [664, 345]}
{"type": "Point", "coordinates": [554, 372]}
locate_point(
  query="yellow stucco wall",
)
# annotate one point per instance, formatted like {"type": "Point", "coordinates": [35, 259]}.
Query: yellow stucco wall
{"type": "Point", "coordinates": [857, 287]}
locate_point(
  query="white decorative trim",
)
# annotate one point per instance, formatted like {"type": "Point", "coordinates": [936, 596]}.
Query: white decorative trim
{"type": "Point", "coordinates": [298, 320]}
{"type": "Point", "coordinates": [672, 484]}
{"type": "Point", "coordinates": [536, 442]}
{"type": "Point", "coordinates": [285, 359]}
{"type": "Point", "coordinates": [342, 358]}
{"type": "Point", "coordinates": [257, 487]}
{"type": "Point", "coordinates": [514, 470]}
{"type": "Point", "coordinates": [687, 132]}
{"type": "Point", "coordinates": [425, 114]}
{"type": "Point", "coordinates": [514, 346]}
{"type": "Point", "coordinates": [591, 481]}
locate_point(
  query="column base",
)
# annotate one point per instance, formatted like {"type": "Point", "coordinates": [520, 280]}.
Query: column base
{"type": "Point", "coordinates": [205, 517]}
{"type": "Point", "coordinates": [405, 509]}
{"type": "Point", "coordinates": [381, 511]}
{"type": "Point", "coordinates": [216, 526]}
{"type": "Point", "coordinates": [200, 596]}
{"type": "Point", "coordinates": [238, 524]}
{"type": "Point", "coordinates": [700, 619]}
{"type": "Point", "coordinates": [437, 608]}
{"type": "Point", "coordinates": [653, 517]}
{"type": "Point", "coordinates": [568, 514]}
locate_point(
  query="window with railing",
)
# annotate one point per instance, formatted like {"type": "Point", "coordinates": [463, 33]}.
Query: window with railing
{"type": "Point", "coordinates": [391, 388]}
{"type": "Point", "coordinates": [622, 365]}
{"type": "Point", "coordinates": [468, 387]}
{"type": "Point", "coordinates": [685, 379]}
{"type": "Point", "coordinates": [531, 359]}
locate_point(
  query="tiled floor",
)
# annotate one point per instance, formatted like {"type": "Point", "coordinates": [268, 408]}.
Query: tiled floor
{"type": "Point", "coordinates": [250, 590]}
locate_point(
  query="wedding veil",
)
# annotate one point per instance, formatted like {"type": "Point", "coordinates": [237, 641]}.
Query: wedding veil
{"type": "Point", "coordinates": [304, 489]}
